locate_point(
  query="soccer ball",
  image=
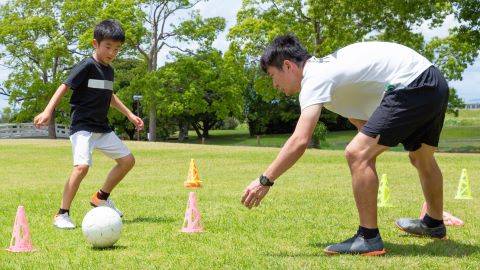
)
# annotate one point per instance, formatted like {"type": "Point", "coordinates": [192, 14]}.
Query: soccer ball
{"type": "Point", "coordinates": [102, 227]}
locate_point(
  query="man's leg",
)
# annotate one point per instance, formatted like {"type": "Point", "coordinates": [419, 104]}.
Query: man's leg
{"type": "Point", "coordinates": [361, 154]}
{"type": "Point", "coordinates": [431, 179]}
{"type": "Point", "coordinates": [432, 184]}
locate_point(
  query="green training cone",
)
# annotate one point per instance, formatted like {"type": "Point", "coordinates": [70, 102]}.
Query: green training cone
{"type": "Point", "coordinates": [383, 193]}
{"type": "Point", "coordinates": [463, 191]}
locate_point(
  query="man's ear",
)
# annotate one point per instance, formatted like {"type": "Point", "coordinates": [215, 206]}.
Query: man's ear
{"type": "Point", "coordinates": [288, 65]}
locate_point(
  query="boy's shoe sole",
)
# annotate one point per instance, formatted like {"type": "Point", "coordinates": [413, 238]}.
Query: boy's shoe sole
{"type": "Point", "coordinates": [418, 228]}
{"type": "Point", "coordinates": [357, 245]}
{"type": "Point", "coordinates": [96, 202]}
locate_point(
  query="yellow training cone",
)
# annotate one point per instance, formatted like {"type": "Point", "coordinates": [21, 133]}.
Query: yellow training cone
{"type": "Point", "coordinates": [192, 179]}
{"type": "Point", "coordinates": [463, 191]}
{"type": "Point", "coordinates": [383, 193]}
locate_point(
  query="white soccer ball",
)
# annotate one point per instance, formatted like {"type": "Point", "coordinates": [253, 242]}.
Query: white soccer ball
{"type": "Point", "coordinates": [102, 227]}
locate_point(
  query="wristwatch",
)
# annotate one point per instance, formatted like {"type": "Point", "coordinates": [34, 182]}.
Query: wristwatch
{"type": "Point", "coordinates": [264, 181]}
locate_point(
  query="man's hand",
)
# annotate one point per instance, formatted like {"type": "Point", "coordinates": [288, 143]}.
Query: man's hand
{"type": "Point", "coordinates": [137, 121]}
{"type": "Point", "coordinates": [254, 193]}
{"type": "Point", "coordinates": [42, 119]}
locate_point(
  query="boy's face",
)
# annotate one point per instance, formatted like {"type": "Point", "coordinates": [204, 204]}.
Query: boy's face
{"type": "Point", "coordinates": [288, 79]}
{"type": "Point", "coordinates": [107, 50]}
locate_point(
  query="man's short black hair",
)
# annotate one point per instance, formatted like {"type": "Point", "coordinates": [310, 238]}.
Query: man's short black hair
{"type": "Point", "coordinates": [282, 48]}
{"type": "Point", "coordinates": [109, 29]}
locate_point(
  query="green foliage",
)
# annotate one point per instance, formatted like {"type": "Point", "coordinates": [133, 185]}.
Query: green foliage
{"type": "Point", "coordinates": [319, 135]}
{"type": "Point", "coordinates": [325, 26]}
{"type": "Point", "coordinates": [454, 102]}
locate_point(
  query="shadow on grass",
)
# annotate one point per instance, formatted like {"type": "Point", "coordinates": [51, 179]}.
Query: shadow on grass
{"type": "Point", "coordinates": [439, 248]}
{"type": "Point", "coordinates": [109, 248]}
{"type": "Point", "coordinates": [148, 220]}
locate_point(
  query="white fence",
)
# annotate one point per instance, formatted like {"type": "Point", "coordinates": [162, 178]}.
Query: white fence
{"type": "Point", "coordinates": [28, 130]}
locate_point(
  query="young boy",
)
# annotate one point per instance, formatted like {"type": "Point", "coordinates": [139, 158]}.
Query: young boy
{"type": "Point", "coordinates": [92, 84]}
{"type": "Point", "coordinates": [392, 95]}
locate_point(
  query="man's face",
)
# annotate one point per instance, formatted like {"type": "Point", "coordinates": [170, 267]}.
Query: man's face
{"type": "Point", "coordinates": [285, 79]}
{"type": "Point", "coordinates": [107, 50]}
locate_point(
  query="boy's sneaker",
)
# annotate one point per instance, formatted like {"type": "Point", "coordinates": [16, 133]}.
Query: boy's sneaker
{"type": "Point", "coordinates": [419, 228]}
{"type": "Point", "coordinates": [95, 202]}
{"type": "Point", "coordinates": [358, 245]}
{"type": "Point", "coordinates": [63, 221]}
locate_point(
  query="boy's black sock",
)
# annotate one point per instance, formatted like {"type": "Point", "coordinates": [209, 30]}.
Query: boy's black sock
{"type": "Point", "coordinates": [367, 233]}
{"type": "Point", "coordinates": [431, 222]}
{"type": "Point", "coordinates": [62, 211]}
{"type": "Point", "coordinates": [102, 195]}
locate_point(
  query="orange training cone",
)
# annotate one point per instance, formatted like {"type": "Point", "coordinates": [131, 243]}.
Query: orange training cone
{"type": "Point", "coordinates": [192, 221]}
{"type": "Point", "coordinates": [192, 179]}
{"type": "Point", "coordinates": [21, 240]}
{"type": "Point", "coordinates": [448, 218]}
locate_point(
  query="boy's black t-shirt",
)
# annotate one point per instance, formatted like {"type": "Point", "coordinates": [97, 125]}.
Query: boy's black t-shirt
{"type": "Point", "coordinates": [92, 85]}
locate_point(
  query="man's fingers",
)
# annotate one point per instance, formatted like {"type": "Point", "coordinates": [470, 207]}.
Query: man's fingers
{"type": "Point", "coordinates": [245, 194]}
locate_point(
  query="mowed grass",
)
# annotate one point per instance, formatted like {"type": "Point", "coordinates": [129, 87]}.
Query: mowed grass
{"type": "Point", "coordinates": [310, 207]}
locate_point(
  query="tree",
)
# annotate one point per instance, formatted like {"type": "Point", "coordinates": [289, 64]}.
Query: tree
{"type": "Point", "coordinates": [157, 30]}
{"type": "Point", "coordinates": [325, 26]}
{"type": "Point", "coordinates": [196, 90]}
{"type": "Point", "coordinates": [37, 45]}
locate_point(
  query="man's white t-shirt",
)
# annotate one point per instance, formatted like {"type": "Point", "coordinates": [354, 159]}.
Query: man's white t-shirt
{"type": "Point", "coordinates": [353, 80]}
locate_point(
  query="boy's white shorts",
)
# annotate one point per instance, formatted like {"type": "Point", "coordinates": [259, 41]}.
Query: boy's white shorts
{"type": "Point", "coordinates": [83, 143]}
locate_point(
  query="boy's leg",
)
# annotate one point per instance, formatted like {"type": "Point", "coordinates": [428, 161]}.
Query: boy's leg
{"type": "Point", "coordinates": [114, 148]}
{"type": "Point", "coordinates": [124, 165]}
{"type": "Point", "coordinates": [71, 186]}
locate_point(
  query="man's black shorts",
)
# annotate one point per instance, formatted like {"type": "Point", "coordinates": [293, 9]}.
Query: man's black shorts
{"type": "Point", "coordinates": [411, 115]}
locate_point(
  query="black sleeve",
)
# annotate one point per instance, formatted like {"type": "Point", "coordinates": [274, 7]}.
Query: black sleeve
{"type": "Point", "coordinates": [78, 75]}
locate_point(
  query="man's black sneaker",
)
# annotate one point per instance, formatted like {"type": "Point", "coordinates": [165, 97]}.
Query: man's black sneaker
{"type": "Point", "coordinates": [419, 228]}
{"type": "Point", "coordinates": [358, 245]}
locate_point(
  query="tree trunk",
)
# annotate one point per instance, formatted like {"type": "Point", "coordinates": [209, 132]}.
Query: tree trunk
{"type": "Point", "coordinates": [183, 132]}
{"type": "Point", "coordinates": [52, 134]}
{"type": "Point", "coordinates": [152, 124]}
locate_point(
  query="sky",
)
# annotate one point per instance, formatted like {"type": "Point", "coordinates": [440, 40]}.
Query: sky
{"type": "Point", "coordinates": [467, 89]}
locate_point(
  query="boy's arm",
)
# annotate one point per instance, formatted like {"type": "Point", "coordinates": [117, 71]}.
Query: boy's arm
{"type": "Point", "coordinates": [44, 118]}
{"type": "Point", "coordinates": [118, 104]}
{"type": "Point", "coordinates": [290, 153]}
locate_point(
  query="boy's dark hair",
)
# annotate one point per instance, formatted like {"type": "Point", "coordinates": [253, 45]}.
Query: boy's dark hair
{"type": "Point", "coordinates": [109, 29]}
{"type": "Point", "coordinates": [282, 48]}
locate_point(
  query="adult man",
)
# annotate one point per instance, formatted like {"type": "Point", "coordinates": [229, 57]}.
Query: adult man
{"type": "Point", "coordinates": [392, 95]}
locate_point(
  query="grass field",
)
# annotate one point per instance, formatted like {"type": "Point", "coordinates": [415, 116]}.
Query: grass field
{"type": "Point", "coordinates": [309, 208]}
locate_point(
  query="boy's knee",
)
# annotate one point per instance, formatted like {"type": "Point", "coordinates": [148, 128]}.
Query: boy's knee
{"type": "Point", "coordinates": [81, 169]}
{"type": "Point", "coordinates": [127, 161]}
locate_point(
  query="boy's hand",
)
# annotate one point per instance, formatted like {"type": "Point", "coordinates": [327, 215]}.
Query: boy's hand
{"type": "Point", "coordinates": [254, 193]}
{"type": "Point", "coordinates": [42, 119]}
{"type": "Point", "coordinates": [137, 121]}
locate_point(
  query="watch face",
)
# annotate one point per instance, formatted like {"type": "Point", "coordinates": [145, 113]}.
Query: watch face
{"type": "Point", "coordinates": [264, 181]}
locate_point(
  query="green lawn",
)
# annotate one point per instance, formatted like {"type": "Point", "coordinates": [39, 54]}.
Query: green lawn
{"type": "Point", "coordinates": [310, 207]}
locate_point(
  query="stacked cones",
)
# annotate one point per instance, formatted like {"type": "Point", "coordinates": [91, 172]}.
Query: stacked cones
{"type": "Point", "coordinates": [192, 223]}
{"type": "Point", "coordinates": [383, 193]}
{"type": "Point", "coordinates": [463, 191]}
{"type": "Point", "coordinates": [21, 240]}
{"type": "Point", "coordinates": [192, 179]}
